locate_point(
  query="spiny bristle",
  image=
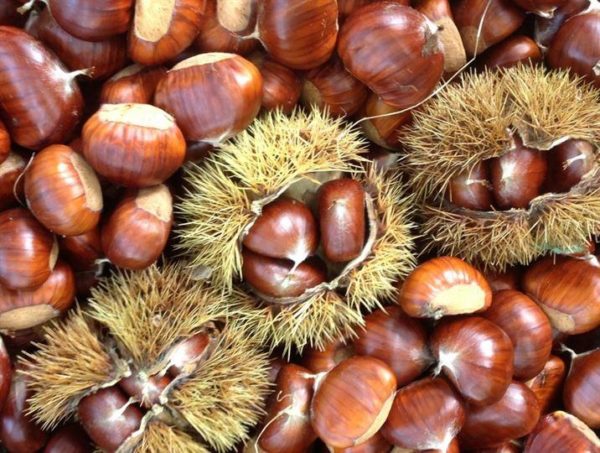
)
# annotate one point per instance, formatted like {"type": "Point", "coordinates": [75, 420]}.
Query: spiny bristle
{"type": "Point", "coordinates": [70, 362]}
{"type": "Point", "coordinates": [392, 258]}
{"type": "Point", "coordinates": [273, 152]}
{"type": "Point", "coordinates": [161, 438]}
{"type": "Point", "coordinates": [149, 311]}
{"type": "Point", "coordinates": [472, 120]}
{"type": "Point", "coordinates": [225, 397]}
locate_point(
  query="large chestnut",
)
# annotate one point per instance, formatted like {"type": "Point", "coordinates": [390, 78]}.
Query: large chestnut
{"type": "Point", "coordinates": [581, 394]}
{"type": "Point", "coordinates": [41, 102]}
{"type": "Point", "coordinates": [444, 286]}
{"type": "Point", "coordinates": [28, 251]}
{"type": "Point", "coordinates": [394, 50]}
{"type": "Point", "coordinates": [212, 96]}
{"type": "Point", "coordinates": [560, 431]}
{"type": "Point", "coordinates": [135, 84]}
{"type": "Point", "coordinates": [548, 382]}
{"type": "Point", "coordinates": [477, 357]}
{"type": "Point", "coordinates": [134, 145]}
{"type": "Point", "coordinates": [472, 189]}
{"type": "Point", "coordinates": [10, 173]}
{"type": "Point", "coordinates": [353, 401]}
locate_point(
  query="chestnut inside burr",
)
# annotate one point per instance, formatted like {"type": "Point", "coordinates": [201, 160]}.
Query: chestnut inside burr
{"type": "Point", "coordinates": [307, 238]}
{"type": "Point", "coordinates": [515, 179]}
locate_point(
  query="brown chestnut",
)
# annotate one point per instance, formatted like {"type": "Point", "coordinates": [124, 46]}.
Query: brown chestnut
{"type": "Point", "coordinates": [515, 50]}
{"type": "Point", "coordinates": [444, 286]}
{"type": "Point", "coordinates": [507, 279]}
{"type": "Point", "coordinates": [145, 389]}
{"type": "Point", "coordinates": [185, 355]}
{"type": "Point", "coordinates": [82, 251]}
{"type": "Point", "coordinates": [568, 163]}
{"type": "Point", "coordinates": [5, 373]}
{"type": "Point", "coordinates": [69, 439]}
{"type": "Point", "coordinates": [281, 85]}
{"type": "Point", "coordinates": [319, 361]}
{"type": "Point", "coordinates": [541, 7]}
{"type": "Point", "coordinates": [581, 394]}
{"type": "Point", "coordinates": [135, 145]}
{"type": "Point", "coordinates": [548, 382]}
{"type": "Point", "coordinates": [4, 143]}
{"type": "Point", "coordinates": [472, 189]}
{"type": "Point", "coordinates": [383, 126]}
{"type": "Point", "coordinates": [10, 173]}
{"type": "Point", "coordinates": [546, 27]}
{"type": "Point", "coordinates": [135, 84]}
{"type": "Point", "coordinates": [9, 14]}
{"type": "Point", "coordinates": [375, 444]}
{"type": "Point", "coordinates": [560, 431]}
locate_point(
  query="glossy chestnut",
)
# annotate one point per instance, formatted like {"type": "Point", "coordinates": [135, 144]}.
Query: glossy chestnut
{"type": "Point", "coordinates": [347, 7]}
{"type": "Point", "coordinates": [560, 431]}
{"type": "Point", "coordinates": [10, 173]}
{"type": "Point", "coordinates": [568, 163]}
{"type": "Point", "coordinates": [472, 189]}
{"type": "Point", "coordinates": [546, 27]}
{"type": "Point", "coordinates": [444, 286]}
{"type": "Point", "coordinates": [548, 382]}
{"type": "Point", "coordinates": [135, 84]}
{"type": "Point", "coordinates": [281, 85]}
{"type": "Point", "coordinates": [82, 251]}
{"type": "Point", "coordinates": [9, 14]}
{"type": "Point", "coordinates": [477, 357]}
{"type": "Point", "coordinates": [581, 393]}
{"type": "Point", "coordinates": [515, 50]}
{"type": "Point", "coordinates": [509, 279]}
{"type": "Point", "coordinates": [69, 439]}
{"type": "Point", "coordinates": [320, 361]}
{"type": "Point", "coordinates": [383, 126]}
{"type": "Point", "coordinates": [145, 389]}
{"type": "Point", "coordinates": [185, 355]}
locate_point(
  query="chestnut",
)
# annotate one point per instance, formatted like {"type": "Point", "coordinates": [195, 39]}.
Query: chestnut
{"type": "Point", "coordinates": [341, 207]}
{"type": "Point", "coordinates": [567, 290]}
{"type": "Point", "coordinates": [332, 88]}
{"type": "Point", "coordinates": [507, 279]}
{"type": "Point", "coordinates": [396, 339]}
{"type": "Point", "coordinates": [82, 251]}
{"type": "Point", "coordinates": [277, 278]}
{"type": "Point", "coordinates": [477, 357]}
{"type": "Point", "coordinates": [136, 232]}
{"type": "Point", "coordinates": [394, 50]}
{"type": "Point", "coordinates": [135, 145]}
{"type": "Point", "coordinates": [502, 19]}
{"type": "Point", "coordinates": [145, 389]}
{"type": "Point", "coordinates": [517, 49]}
{"type": "Point", "coordinates": [9, 14]}
{"type": "Point", "coordinates": [135, 84]}
{"type": "Point", "coordinates": [426, 415]}
{"type": "Point", "coordinates": [375, 444]}
{"type": "Point", "coordinates": [212, 96]}
{"type": "Point", "coordinates": [46, 108]}
{"type": "Point", "coordinates": [560, 431]}
{"type": "Point", "coordinates": [184, 356]}
{"type": "Point", "coordinates": [347, 7]}
{"type": "Point", "coordinates": [287, 425]}
{"type": "Point", "coordinates": [24, 309]}
{"type": "Point", "coordinates": [281, 85]}
{"type": "Point", "coordinates": [528, 328]}
{"type": "Point", "coordinates": [10, 174]}
{"type": "Point", "coordinates": [62, 191]}
{"type": "Point", "coordinates": [353, 401]}
{"type": "Point", "coordinates": [444, 286]}
{"type": "Point", "coordinates": [568, 163]}
{"type": "Point", "coordinates": [5, 373]}
{"type": "Point", "coordinates": [69, 439]}
{"type": "Point", "coordinates": [28, 251]}
{"type": "Point", "coordinates": [108, 417]}
{"type": "Point", "coordinates": [335, 352]}
{"type": "Point", "coordinates": [541, 7]}
{"type": "Point", "coordinates": [581, 393]}
{"type": "Point", "coordinates": [548, 382]}
{"type": "Point", "coordinates": [546, 27]}
{"type": "Point", "coordinates": [4, 143]}
{"type": "Point", "coordinates": [517, 176]}
{"type": "Point", "coordinates": [513, 416]}
{"type": "Point", "coordinates": [472, 189]}
{"type": "Point", "coordinates": [381, 124]}
{"type": "Point", "coordinates": [92, 20]}
{"type": "Point", "coordinates": [162, 29]}
{"type": "Point", "coordinates": [285, 229]}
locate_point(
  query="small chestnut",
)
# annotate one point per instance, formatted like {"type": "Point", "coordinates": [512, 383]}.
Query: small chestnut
{"type": "Point", "coordinates": [69, 439]}
{"type": "Point", "coordinates": [382, 127]}
{"type": "Point", "coordinates": [10, 173]}
{"type": "Point", "coordinates": [282, 87]}
{"type": "Point", "coordinates": [145, 389]}
{"type": "Point", "coordinates": [319, 361]}
{"type": "Point", "coordinates": [82, 251]}
{"type": "Point", "coordinates": [548, 382]}
{"type": "Point", "coordinates": [135, 84]}
{"type": "Point", "coordinates": [515, 50]}
{"type": "Point", "coordinates": [472, 189]}
{"type": "Point", "coordinates": [568, 163]}
{"type": "Point", "coordinates": [508, 279]}
{"type": "Point", "coordinates": [581, 393]}
{"type": "Point", "coordinates": [185, 355]}
{"type": "Point", "coordinates": [560, 431]}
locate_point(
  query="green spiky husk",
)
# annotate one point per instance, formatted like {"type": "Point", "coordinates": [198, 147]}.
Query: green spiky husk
{"type": "Point", "coordinates": [473, 121]}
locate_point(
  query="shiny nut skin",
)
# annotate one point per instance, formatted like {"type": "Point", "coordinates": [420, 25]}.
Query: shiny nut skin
{"type": "Point", "coordinates": [353, 401]}
{"type": "Point", "coordinates": [560, 431]}
{"type": "Point", "coordinates": [5, 373]}
{"type": "Point", "coordinates": [134, 145]}
{"type": "Point", "coordinates": [4, 143]}
{"type": "Point", "coordinates": [97, 414]}
{"type": "Point", "coordinates": [444, 286]}
{"type": "Point", "coordinates": [394, 50]}
{"type": "Point", "coordinates": [135, 84]}
{"type": "Point", "coordinates": [185, 355]}
{"type": "Point", "coordinates": [397, 340]}
{"type": "Point", "coordinates": [548, 382]}
{"type": "Point", "coordinates": [509, 279]}
{"type": "Point", "coordinates": [542, 7]}
{"type": "Point", "coordinates": [342, 223]}
{"type": "Point", "coordinates": [63, 191]}
{"type": "Point", "coordinates": [10, 172]}
{"type": "Point", "coordinates": [28, 251]}
{"type": "Point", "coordinates": [212, 96]}
{"type": "Point", "coordinates": [319, 361]}
{"type": "Point", "coordinates": [476, 356]}
{"type": "Point", "coordinates": [581, 394]}
{"type": "Point", "coordinates": [518, 49]}
{"type": "Point", "coordinates": [471, 189]}
{"type": "Point", "coordinates": [146, 390]}
{"type": "Point", "coordinates": [69, 439]}
{"type": "Point", "coordinates": [41, 102]}
{"type": "Point", "coordinates": [513, 416]}
{"type": "Point", "coordinates": [528, 328]}
{"type": "Point", "coordinates": [9, 14]}
{"type": "Point", "coordinates": [82, 251]}
{"type": "Point", "coordinates": [136, 232]}
{"type": "Point", "coordinates": [375, 444]}
{"type": "Point", "coordinates": [385, 131]}
{"type": "Point", "coordinates": [426, 415]}
{"type": "Point", "coordinates": [546, 27]}
{"type": "Point", "coordinates": [281, 85]}
{"type": "Point", "coordinates": [568, 163]}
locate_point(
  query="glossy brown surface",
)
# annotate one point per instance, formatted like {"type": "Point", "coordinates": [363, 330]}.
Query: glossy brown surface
{"type": "Point", "coordinates": [27, 250]}
{"type": "Point", "coordinates": [503, 18]}
{"type": "Point", "coordinates": [278, 278]}
{"type": "Point", "coordinates": [560, 431]}
{"type": "Point", "coordinates": [472, 189]}
{"type": "Point", "coordinates": [40, 102]}
{"type": "Point", "coordinates": [135, 145]}
{"type": "Point", "coordinates": [528, 328]}
{"type": "Point", "coordinates": [281, 86]}
{"type": "Point", "coordinates": [353, 401]}
{"type": "Point", "coordinates": [5, 373]}
{"type": "Point", "coordinates": [101, 58]}
{"type": "Point", "coordinates": [319, 361]}
{"type": "Point", "coordinates": [342, 223]}
{"type": "Point", "coordinates": [568, 163]}
{"type": "Point", "coordinates": [135, 84]}
{"type": "Point", "coordinates": [509, 279]}
{"type": "Point", "coordinates": [26, 309]}
{"type": "Point", "coordinates": [185, 355]}
{"type": "Point", "coordinates": [152, 44]}
{"type": "Point", "coordinates": [518, 176]}
{"type": "Point", "coordinates": [547, 383]}
{"type": "Point", "coordinates": [426, 415]}
{"type": "Point", "coordinates": [477, 357]}
{"type": "Point", "coordinates": [10, 171]}
{"type": "Point", "coordinates": [301, 35]}
{"type": "Point", "coordinates": [136, 232]}
{"type": "Point", "coordinates": [444, 286]}
{"type": "Point", "coordinates": [394, 50]}
{"type": "Point", "coordinates": [98, 415]}
{"type": "Point", "coordinates": [515, 50]}
{"type": "Point", "coordinates": [396, 339]}
{"type": "Point", "coordinates": [9, 14]}
{"type": "Point", "coordinates": [287, 425]}
{"type": "Point", "coordinates": [83, 250]}
{"type": "Point", "coordinates": [62, 191]}
{"type": "Point", "coordinates": [581, 394]}
{"type": "Point", "coordinates": [386, 130]}
{"type": "Point", "coordinates": [285, 229]}
{"type": "Point", "coordinates": [4, 143]}
{"type": "Point", "coordinates": [69, 439]}
{"type": "Point", "coordinates": [546, 28]}
{"type": "Point", "coordinates": [347, 7]}
{"type": "Point", "coordinates": [331, 87]}
{"type": "Point", "coordinates": [540, 6]}
{"type": "Point", "coordinates": [147, 390]}
{"type": "Point", "coordinates": [212, 99]}
{"type": "Point", "coordinates": [93, 20]}
{"type": "Point", "coordinates": [567, 290]}
{"type": "Point", "coordinates": [576, 46]}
